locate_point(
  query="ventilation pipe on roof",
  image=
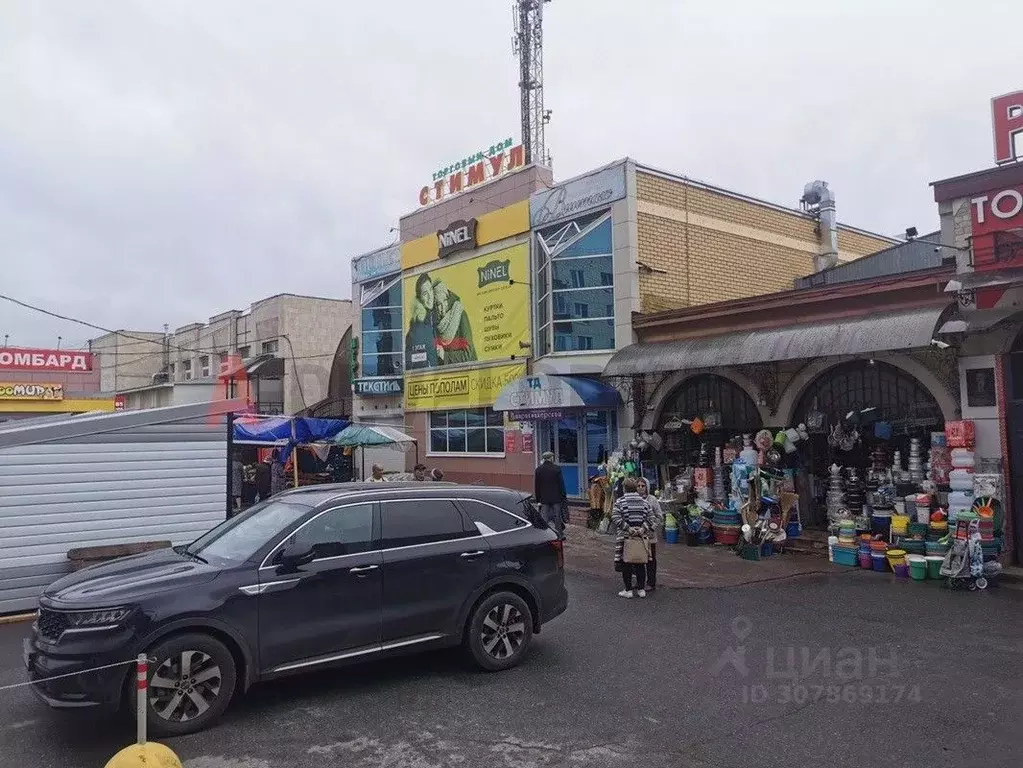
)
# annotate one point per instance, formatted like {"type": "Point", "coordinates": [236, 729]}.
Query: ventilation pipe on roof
{"type": "Point", "coordinates": [820, 201]}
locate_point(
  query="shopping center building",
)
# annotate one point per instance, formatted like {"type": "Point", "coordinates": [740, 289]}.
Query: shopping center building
{"type": "Point", "coordinates": [628, 241]}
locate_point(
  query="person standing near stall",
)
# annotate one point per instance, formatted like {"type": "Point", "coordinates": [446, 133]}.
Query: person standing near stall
{"type": "Point", "coordinates": [633, 522]}
{"type": "Point", "coordinates": [278, 477]}
{"type": "Point", "coordinates": [549, 492]}
{"type": "Point", "coordinates": [643, 489]}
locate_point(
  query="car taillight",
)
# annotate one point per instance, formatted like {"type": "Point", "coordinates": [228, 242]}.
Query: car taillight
{"type": "Point", "coordinates": [559, 549]}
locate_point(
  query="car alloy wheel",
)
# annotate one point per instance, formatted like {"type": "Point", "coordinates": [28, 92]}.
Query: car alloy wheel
{"type": "Point", "coordinates": [185, 686]}
{"type": "Point", "coordinates": [504, 630]}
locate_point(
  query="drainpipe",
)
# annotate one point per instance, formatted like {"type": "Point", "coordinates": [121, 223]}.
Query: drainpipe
{"type": "Point", "coordinates": [820, 200]}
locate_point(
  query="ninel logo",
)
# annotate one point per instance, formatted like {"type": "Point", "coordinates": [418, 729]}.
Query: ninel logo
{"type": "Point", "coordinates": [1007, 123]}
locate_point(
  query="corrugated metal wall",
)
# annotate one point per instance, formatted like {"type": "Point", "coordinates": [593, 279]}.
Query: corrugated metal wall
{"type": "Point", "coordinates": [144, 484]}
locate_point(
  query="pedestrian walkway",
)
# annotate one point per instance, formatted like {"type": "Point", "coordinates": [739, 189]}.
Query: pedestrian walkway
{"type": "Point", "coordinates": [682, 567]}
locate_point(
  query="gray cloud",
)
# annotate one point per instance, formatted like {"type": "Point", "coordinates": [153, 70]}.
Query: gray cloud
{"type": "Point", "coordinates": [162, 162]}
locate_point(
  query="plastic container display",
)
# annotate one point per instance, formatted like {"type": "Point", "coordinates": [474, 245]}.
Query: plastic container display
{"type": "Point", "coordinates": [865, 561]}
{"type": "Point", "coordinates": [900, 525]}
{"type": "Point", "coordinates": [934, 566]}
{"type": "Point", "coordinates": [960, 480]}
{"type": "Point", "coordinates": [846, 556]}
{"type": "Point", "coordinates": [879, 561]}
{"type": "Point", "coordinates": [917, 567]}
{"type": "Point", "coordinates": [896, 557]}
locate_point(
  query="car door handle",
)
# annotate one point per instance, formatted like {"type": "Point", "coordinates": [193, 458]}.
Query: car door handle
{"type": "Point", "coordinates": [468, 555]}
{"type": "Point", "coordinates": [363, 569]}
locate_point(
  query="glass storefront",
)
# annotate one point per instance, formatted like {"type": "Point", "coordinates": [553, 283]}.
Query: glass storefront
{"type": "Point", "coordinates": [574, 286]}
{"type": "Point", "coordinates": [382, 353]}
{"type": "Point", "coordinates": [580, 443]}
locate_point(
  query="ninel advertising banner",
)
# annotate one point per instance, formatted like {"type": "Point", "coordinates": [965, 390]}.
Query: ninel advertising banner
{"type": "Point", "coordinates": [474, 388]}
{"type": "Point", "coordinates": [18, 359]}
{"type": "Point", "coordinates": [473, 311]}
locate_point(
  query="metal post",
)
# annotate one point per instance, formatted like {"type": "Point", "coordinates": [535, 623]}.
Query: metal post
{"type": "Point", "coordinates": [294, 453]}
{"type": "Point", "coordinates": [142, 697]}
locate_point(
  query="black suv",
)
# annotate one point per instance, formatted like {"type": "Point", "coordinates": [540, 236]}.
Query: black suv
{"type": "Point", "coordinates": [313, 577]}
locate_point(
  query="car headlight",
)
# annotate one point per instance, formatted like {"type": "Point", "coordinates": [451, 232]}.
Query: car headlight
{"type": "Point", "coordinates": [105, 617]}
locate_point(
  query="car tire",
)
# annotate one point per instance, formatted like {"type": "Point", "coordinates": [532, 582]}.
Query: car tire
{"type": "Point", "coordinates": [500, 631]}
{"type": "Point", "coordinates": [191, 682]}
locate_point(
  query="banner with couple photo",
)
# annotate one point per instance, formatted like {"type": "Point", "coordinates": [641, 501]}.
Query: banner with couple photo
{"type": "Point", "coordinates": [473, 311]}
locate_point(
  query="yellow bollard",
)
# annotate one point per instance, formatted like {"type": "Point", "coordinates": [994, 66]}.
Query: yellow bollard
{"type": "Point", "coordinates": [148, 755]}
{"type": "Point", "coordinates": [144, 754]}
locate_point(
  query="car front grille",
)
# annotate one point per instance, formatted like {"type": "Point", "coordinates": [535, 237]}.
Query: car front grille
{"type": "Point", "coordinates": [52, 623]}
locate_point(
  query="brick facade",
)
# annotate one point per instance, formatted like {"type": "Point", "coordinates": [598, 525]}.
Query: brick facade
{"type": "Point", "coordinates": [699, 245]}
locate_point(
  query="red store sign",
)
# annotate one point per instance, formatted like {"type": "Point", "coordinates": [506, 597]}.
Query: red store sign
{"type": "Point", "coordinates": [997, 220]}
{"type": "Point", "coordinates": [18, 359]}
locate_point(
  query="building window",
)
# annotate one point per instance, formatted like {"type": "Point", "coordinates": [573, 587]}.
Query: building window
{"type": "Point", "coordinates": [186, 368]}
{"type": "Point", "coordinates": [574, 286]}
{"type": "Point", "coordinates": [475, 430]}
{"type": "Point", "coordinates": [204, 366]}
{"type": "Point", "coordinates": [269, 347]}
{"type": "Point", "coordinates": [244, 352]}
{"type": "Point", "coordinates": [381, 349]}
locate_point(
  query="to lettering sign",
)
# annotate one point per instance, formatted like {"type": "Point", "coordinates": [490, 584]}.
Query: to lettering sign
{"type": "Point", "coordinates": [17, 359]}
{"type": "Point", "coordinates": [997, 211]}
{"type": "Point", "coordinates": [459, 236]}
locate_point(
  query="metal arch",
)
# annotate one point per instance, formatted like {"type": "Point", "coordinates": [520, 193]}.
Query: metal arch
{"type": "Point", "coordinates": [860, 384]}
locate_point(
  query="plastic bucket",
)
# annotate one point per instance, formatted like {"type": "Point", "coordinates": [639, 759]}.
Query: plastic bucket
{"type": "Point", "coordinates": [917, 567]}
{"type": "Point", "coordinates": [902, 571]}
{"type": "Point", "coordinates": [896, 557]}
{"type": "Point", "coordinates": [671, 535]}
{"type": "Point", "coordinates": [934, 566]}
{"type": "Point", "coordinates": [900, 525]}
{"type": "Point", "coordinates": [766, 550]}
{"type": "Point", "coordinates": [865, 560]}
{"type": "Point", "coordinates": [879, 561]}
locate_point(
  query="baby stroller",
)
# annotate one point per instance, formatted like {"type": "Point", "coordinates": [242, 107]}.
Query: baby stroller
{"type": "Point", "coordinates": [964, 565]}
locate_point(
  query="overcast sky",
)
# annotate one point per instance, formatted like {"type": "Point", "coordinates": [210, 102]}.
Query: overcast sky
{"type": "Point", "coordinates": [161, 162]}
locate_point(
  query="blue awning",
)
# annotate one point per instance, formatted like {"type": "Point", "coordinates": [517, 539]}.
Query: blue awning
{"type": "Point", "coordinates": [545, 394]}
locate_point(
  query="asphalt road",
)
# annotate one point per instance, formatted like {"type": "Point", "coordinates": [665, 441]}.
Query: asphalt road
{"type": "Point", "coordinates": [638, 683]}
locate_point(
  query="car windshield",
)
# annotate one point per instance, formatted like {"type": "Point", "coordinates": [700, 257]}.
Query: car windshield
{"type": "Point", "coordinates": [241, 537]}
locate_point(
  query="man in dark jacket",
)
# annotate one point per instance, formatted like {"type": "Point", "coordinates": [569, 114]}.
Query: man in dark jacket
{"type": "Point", "coordinates": [549, 492]}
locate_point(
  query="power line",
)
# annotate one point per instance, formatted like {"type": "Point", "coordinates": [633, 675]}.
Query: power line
{"type": "Point", "coordinates": [124, 334]}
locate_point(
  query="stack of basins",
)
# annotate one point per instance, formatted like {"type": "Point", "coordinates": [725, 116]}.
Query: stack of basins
{"type": "Point", "coordinates": [727, 526]}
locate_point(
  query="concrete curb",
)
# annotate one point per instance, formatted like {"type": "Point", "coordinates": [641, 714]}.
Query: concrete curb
{"type": "Point", "coordinates": [18, 618]}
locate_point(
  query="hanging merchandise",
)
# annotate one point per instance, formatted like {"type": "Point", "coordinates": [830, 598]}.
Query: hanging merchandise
{"type": "Point", "coordinates": [719, 477]}
{"type": "Point", "coordinates": [816, 421]}
{"type": "Point", "coordinates": [915, 463]}
{"type": "Point", "coordinates": [836, 495]}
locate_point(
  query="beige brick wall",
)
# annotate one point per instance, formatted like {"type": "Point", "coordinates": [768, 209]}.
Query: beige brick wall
{"type": "Point", "coordinates": [705, 246]}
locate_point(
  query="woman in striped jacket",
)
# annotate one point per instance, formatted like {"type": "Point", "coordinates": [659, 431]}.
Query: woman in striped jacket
{"type": "Point", "coordinates": [631, 512]}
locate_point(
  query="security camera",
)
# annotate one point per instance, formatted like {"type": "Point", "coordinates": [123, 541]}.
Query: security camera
{"type": "Point", "coordinates": [939, 344]}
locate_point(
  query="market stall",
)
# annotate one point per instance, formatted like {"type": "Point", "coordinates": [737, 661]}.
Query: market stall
{"type": "Point", "coordinates": [304, 446]}
{"type": "Point", "coordinates": [363, 435]}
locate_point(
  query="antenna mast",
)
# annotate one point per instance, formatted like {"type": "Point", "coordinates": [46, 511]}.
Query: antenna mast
{"type": "Point", "coordinates": [528, 46]}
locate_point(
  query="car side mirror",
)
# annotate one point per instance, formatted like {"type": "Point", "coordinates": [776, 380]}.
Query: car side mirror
{"type": "Point", "coordinates": [292, 560]}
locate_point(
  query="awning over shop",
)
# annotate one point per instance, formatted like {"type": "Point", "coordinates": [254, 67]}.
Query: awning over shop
{"type": "Point", "coordinates": [356, 435]}
{"type": "Point", "coordinates": [545, 395]}
{"type": "Point", "coordinates": [880, 332]}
